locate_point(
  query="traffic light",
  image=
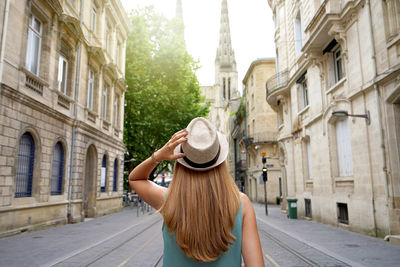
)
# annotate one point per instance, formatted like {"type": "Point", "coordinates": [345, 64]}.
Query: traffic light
{"type": "Point", "coordinates": [264, 160]}
{"type": "Point", "coordinates": [264, 173]}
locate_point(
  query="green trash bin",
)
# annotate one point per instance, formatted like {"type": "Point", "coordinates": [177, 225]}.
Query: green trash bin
{"type": "Point", "coordinates": [292, 208]}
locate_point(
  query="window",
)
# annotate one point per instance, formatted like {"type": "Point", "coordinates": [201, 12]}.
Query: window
{"type": "Point", "coordinates": [62, 75]}
{"type": "Point", "coordinates": [303, 91]}
{"type": "Point", "coordinates": [344, 155]}
{"type": "Point", "coordinates": [298, 34]}
{"type": "Point", "coordinates": [337, 58]}
{"type": "Point", "coordinates": [103, 180]}
{"type": "Point", "coordinates": [94, 18]}
{"type": "Point", "coordinates": [335, 63]}
{"type": "Point", "coordinates": [34, 44]}
{"type": "Point", "coordinates": [116, 111]}
{"type": "Point", "coordinates": [57, 170]}
{"type": "Point", "coordinates": [252, 80]}
{"type": "Point", "coordinates": [24, 174]}
{"type": "Point", "coordinates": [392, 17]}
{"type": "Point", "coordinates": [229, 88]}
{"type": "Point", "coordinates": [90, 90]}
{"type": "Point", "coordinates": [115, 175]}
{"type": "Point", "coordinates": [104, 107]}
{"type": "Point", "coordinates": [343, 215]}
{"type": "Point", "coordinates": [307, 206]}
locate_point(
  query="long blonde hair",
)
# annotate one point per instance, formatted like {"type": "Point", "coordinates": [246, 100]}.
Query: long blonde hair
{"type": "Point", "coordinates": [200, 209]}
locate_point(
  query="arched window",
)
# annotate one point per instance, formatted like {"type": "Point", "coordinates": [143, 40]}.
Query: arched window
{"type": "Point", "coordinates": [229, 88]}
{"type": "Point", "coordinates": [58, 170]}
{"type": "Point", "coordinates": [115, 175]}
{"type": "Point", "coordinates": [103, 174]}
{"type": "Point", "coordinates": [26, 157]}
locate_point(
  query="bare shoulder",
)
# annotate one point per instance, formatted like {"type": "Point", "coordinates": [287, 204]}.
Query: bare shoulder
{"type": "Point", "coordinates": [246, 204]}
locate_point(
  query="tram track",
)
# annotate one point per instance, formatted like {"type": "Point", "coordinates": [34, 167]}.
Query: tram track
{"type": "Point", "coordinates": [297, 250]}
{"type": "Point", "coordinates": [109, 245]}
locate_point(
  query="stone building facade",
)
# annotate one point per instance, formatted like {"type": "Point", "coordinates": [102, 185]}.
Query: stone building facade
{"type": "Point", "coordinates": [260, 123]}
{"type": "Point", "coordinates": [339, 56]}
{"type": "Point", "coordinates": [62, 67]}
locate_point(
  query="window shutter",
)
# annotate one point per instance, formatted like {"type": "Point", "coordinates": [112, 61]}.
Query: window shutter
{"type": "Point", "coordinates": [345, 159]}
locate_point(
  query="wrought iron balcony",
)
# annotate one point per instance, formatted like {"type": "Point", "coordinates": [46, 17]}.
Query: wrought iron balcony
{"type": "Point", "coordinates": [277, 81]}
{"type": "Point", "coordinates": [262, 137]}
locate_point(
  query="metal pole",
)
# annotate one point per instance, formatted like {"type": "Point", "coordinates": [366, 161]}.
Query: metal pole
{"type": "Point", "coordinates": [265, 197]}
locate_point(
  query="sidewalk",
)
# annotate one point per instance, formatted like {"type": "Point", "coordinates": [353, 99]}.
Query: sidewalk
{"type": "Point", "coordinates": [47, 247]}
{"type": "Point", "coordinates": [352, 248]}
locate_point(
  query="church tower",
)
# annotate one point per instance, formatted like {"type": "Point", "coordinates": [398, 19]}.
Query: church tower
{"type": "Point", "coordinates": [179, 12]}
{"type": "Point", "coordinates": [225, 64]}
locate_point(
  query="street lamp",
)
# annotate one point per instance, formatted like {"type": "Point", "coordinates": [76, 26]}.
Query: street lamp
{"type": "Point", "coordinates": [265, 179]}
{"type": "Point", "coordinates": [343, 113]}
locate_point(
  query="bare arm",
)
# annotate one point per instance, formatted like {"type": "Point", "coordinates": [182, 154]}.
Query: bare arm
{"type": "Point", "coordinates": [147, 190]}
{"type": "Point", "coordinates": [251, 246]}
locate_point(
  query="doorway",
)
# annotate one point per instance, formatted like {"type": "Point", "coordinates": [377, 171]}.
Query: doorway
{"type": "Point", "coordinates": [89, 190]}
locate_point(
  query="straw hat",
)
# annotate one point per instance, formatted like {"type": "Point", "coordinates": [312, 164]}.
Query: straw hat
{"type": "Point", "coordinates": [205, 148]}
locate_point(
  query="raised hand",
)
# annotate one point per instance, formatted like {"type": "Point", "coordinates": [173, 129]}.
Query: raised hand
{"type": "Point", "coordinates": [167, 151]}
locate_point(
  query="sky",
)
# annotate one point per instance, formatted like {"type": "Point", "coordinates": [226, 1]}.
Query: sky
{"type": "Point", "coordinates": [251, 25]}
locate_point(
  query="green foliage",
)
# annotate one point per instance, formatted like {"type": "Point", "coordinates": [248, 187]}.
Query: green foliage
{"type": "Point", "coordinates": [163, 93]}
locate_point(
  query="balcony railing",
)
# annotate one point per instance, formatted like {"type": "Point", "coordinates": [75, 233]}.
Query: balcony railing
{"type": "Point", "coordinates": [277, 81]}
{"type": "Point", "coordinates": [262, 137]}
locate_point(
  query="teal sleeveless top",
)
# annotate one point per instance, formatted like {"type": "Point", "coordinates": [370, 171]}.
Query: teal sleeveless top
{"type": "Point", "coordinates": [174, 257]}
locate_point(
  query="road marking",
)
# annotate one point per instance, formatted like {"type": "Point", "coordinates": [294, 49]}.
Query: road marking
{"type": "Point", "coordinates": [140, 249]}
{"type": "Point", "coordinates": [271, 260]}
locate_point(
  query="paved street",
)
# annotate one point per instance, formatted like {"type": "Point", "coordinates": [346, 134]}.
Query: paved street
{"type": "Point", "coordinates": [126, 239]}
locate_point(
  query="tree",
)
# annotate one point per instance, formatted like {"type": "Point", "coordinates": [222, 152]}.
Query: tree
{"type": "Point", "coordinates": [163, 93]}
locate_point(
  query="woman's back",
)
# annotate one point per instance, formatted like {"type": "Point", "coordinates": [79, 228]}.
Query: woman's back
{"type": "Point", "coordinates": [173, 255]}
{"type": "Point", "coordinates": [206, 220]}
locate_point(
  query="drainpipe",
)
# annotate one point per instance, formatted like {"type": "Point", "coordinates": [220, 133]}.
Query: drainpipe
{"type": "Point", "coordinates": [78, 63]}
{"type": "Point", "coordinates": [378, 101]}
{"type": "Point", "coordinates": [3, 42]}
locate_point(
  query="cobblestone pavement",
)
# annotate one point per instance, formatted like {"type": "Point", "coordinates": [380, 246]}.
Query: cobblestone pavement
{"type": "Point", "coordinates": [129, 239]}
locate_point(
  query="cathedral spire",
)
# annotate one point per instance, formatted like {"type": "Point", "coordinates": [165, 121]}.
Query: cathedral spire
{"type": "Point", "coordinates": [226, 75]}
{"type": "Point", "coordinates": [225, 55]}
{"type": "Point", "coordinates": [179, 12]}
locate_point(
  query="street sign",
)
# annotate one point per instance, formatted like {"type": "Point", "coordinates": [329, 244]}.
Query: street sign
{"type": "Point", "coordinates": [270, 165]}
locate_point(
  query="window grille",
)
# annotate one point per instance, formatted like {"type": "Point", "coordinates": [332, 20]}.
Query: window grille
{"type": "Point", "coordinates": [26, 157]}
{"type": "Point", "coordinates": [343, 215]}
{"type": "Point", "coordinates": [34, 45]}
{"type": "Point", "coordinates": [58, 170]}
{"type": "Point", "coordinates": [307, 205]}
{"type": "Point", "coordinates": [103, 174]}
{"type": "Point", "coordinates": [115, 175]}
